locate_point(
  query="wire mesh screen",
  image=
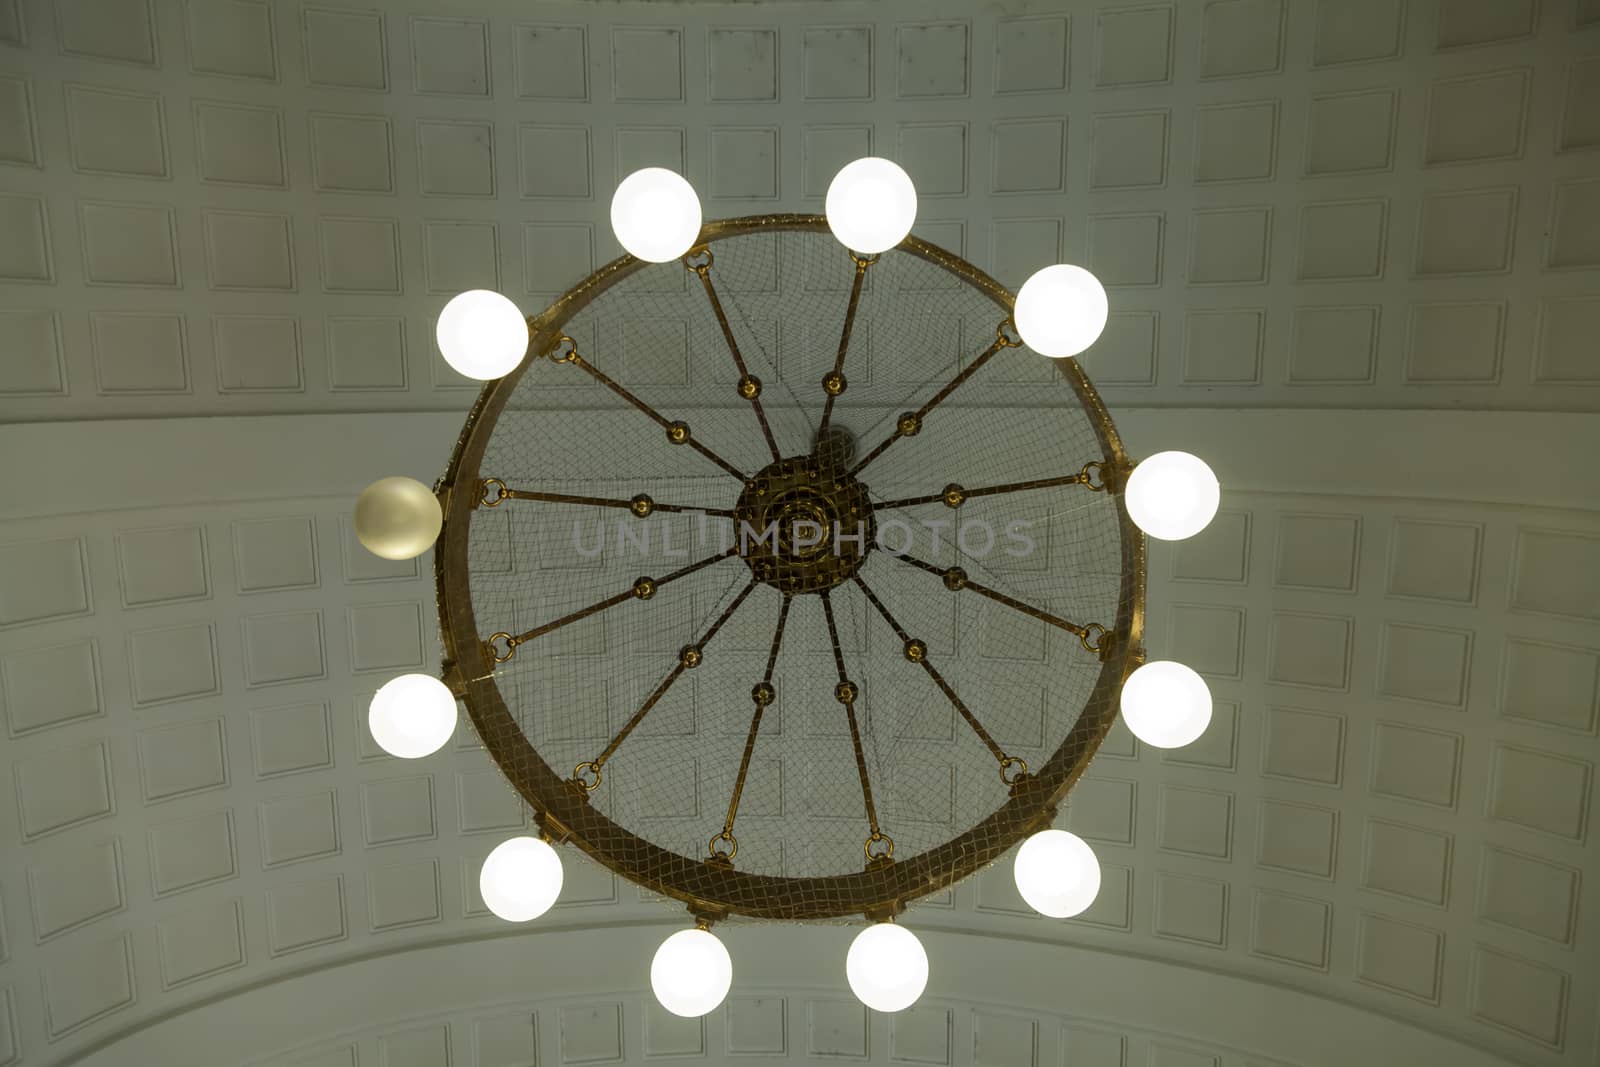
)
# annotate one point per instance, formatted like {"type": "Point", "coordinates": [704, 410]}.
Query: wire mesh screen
{"type": "Point", "coordinates": [1016, 680]}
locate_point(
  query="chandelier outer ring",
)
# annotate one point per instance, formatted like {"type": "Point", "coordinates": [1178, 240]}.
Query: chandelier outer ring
{"type": "Point", "coordinates": [716, 890]}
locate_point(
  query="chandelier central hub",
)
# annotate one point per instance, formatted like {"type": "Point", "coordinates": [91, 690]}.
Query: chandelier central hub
{"type": "Point", "coordinates": [803, 525]}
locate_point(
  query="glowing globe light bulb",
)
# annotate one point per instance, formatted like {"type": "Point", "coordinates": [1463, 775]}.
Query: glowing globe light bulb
{"type": "Point", "coordinates": [1166, 704]}
{"type": "Point", "coordinates": [1172, 495]}
{"type": "Point", "coordinates": [871, 205]}
{"type": "Point", "coordinates": [412, 716]}
{"type": "Point", "coordinates": [655, 215]}
{"type": "Point", "coordinates": [887, 967]}
{"type": "Point", "coordinates": [520, 879]}
{"type": "Point", "coordinates": [1060, 311]}
{"type": "Point", "coordinates": [1056, 873]}
{"type": "Point", "coordinates": [691, 973]}
{"type": "Point", "coordinates": [397, 518]}
{"type": "Point", "coordinates": [482, 334]}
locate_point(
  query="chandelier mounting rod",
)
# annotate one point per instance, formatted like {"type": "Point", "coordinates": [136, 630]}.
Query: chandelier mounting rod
{"type": "Point", "coordinates": [763, 694]}
{"type": "Point", "coordinates": [916, 651]}
{"type": "Point", "coordinates": [834, 382]}
{"type": "Point", "coordinates": [699, 260]}
{"type": "Point", "coordinates": [1093, 636]}
{"type": "Point", "coordinates": [910, 423]}
{"type": "Point", "coordinates": [677, 432]}
{"type": "Point", "coordinates": [689, 657]}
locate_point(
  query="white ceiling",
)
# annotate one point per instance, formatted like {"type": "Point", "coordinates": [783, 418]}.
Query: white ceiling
{"type": "Point", "coordinates": [256, 208]}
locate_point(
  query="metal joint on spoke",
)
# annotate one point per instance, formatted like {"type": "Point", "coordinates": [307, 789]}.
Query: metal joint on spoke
{"type": "Point", "coordinates": [493, 493]}
{"type": "Point", "coordinates": [587, 775]}
{"type": "Point", "coordinates": [563, 349]}
{"type": "Point", "coordinates": [699, 259]}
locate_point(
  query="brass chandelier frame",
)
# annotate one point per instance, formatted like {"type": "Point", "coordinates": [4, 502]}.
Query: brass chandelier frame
{"type": "Point", "coordinates": [813, 486]}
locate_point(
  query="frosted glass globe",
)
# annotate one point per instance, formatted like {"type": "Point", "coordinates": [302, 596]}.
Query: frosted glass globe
{"type": "Point", "coordinates": [887, 967]}
{"type": "Point", "coordinates": [1172, 495]}
{"type": "Point", "coordinates": [1166, 704]}
{"type": "Point", "coordinates": [412, 716]}
{"type": "Point", "coordinates": [1056, 873]}
{"type": "Point", "coordinates": [482, 334]}
{"type": "Point", "coordinates": [655, 215]}
{"type": "Point", "coordinates": [871, 205]}
{"type": "Point", "coordinates": [397, 518]}
{"type": "Point", "coordinates": [1060, 311]}
{"type": "Point", "coordinates": [520, 879]}
{"type": "Point", "coordinates": [691, 973]}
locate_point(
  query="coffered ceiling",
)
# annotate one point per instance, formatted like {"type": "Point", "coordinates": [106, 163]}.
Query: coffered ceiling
{"type": "Point", "coordinates": [226, 227]}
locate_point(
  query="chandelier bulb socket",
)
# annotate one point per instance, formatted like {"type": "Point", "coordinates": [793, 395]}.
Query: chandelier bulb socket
{"type": "Point", "coordinates": [551, 829]}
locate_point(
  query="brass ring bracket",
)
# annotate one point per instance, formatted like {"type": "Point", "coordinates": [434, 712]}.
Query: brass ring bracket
{"type": "Point", "coordinates": [729, 847]}
{"type": "Point", "coordinates": [1094, 637]}
{"type": "Point", "coordinates": [884, 848]}
{"type": "Point", "coordinates": [863, 262]}
{"type": "Point", "coordinates": [494, 641]}
{"type": "Point", "coordinates": [1094, 476]}
{"type": "Point", "coordinates": [493, 493]}
{"type": "Point", "coordinates": [1006, 334]}
{"type": "Point", "coordinates": [699, 259]}
{"type": "Point", "coordinates": [1013, 769]}
{"type": "Point", "coordinates": [584, 772]}
{"type": "Point", "coordinates": [563, 349]}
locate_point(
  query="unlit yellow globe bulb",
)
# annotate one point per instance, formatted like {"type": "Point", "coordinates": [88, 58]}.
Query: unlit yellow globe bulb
{"type": "Point", "coordinates": [887, 967]}
{"type": "Point", "coordinates": [397, 518]}
{"type": "Point", "coordinates": [482, 334]}
{"type": "Point", "coordinates": [691, 973]}
{"type": "Point", "coordinates": [520, 879]}
{"type": "Point", "coordinates": [1172, 495]}
{"type": "Point", "coordinates": [412, 716]}
{"type": "Point", "coordinates": [1166, 704]}
{"type": "Point", "coordinates": [1060, 311]}
{"type": "Point", "coordinates": [655, 215]}
{"type": "Point", "coordinates": [1057, 873]}
{"type": "Point", "coordinates": [871, 205]}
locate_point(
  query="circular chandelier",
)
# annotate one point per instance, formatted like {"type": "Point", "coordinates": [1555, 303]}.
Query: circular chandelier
{"type": "Point", "coordinates": [737, 681]}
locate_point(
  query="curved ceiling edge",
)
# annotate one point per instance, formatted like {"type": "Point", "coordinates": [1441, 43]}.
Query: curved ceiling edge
{"type": "Point", "coordinates": [1171, 1004]}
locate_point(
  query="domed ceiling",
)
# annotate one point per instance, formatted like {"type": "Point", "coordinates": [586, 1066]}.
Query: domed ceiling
{"type": "Point", "coordinates": [1353, 255]}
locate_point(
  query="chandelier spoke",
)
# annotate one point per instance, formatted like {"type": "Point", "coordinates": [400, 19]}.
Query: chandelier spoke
{"type": "Point", "coordinates": [763, 694]}
{"type": "Point", "coordinates": [910, 423]}
{"type": "Point", "coordinates": [1093, 636]}
{"type": "Point", "coordinates": [699, 260]}
{"type": "Point", "coordinates": [916, 651]}
{"type": "Point", "coordinates": [492, 492]}
{"type": "Point", "coordinates": [834, 383]}
{"type": "Point", "coordinates": [587, 774]}
{"type": "Point", "coordinates": [642, 589]}
{"type": "Point", "coordinates": [846, 693]}
{"type": "Point", "coordinates": [954, 495]}
{"type": "Point", "coordinates": [566, 351]}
